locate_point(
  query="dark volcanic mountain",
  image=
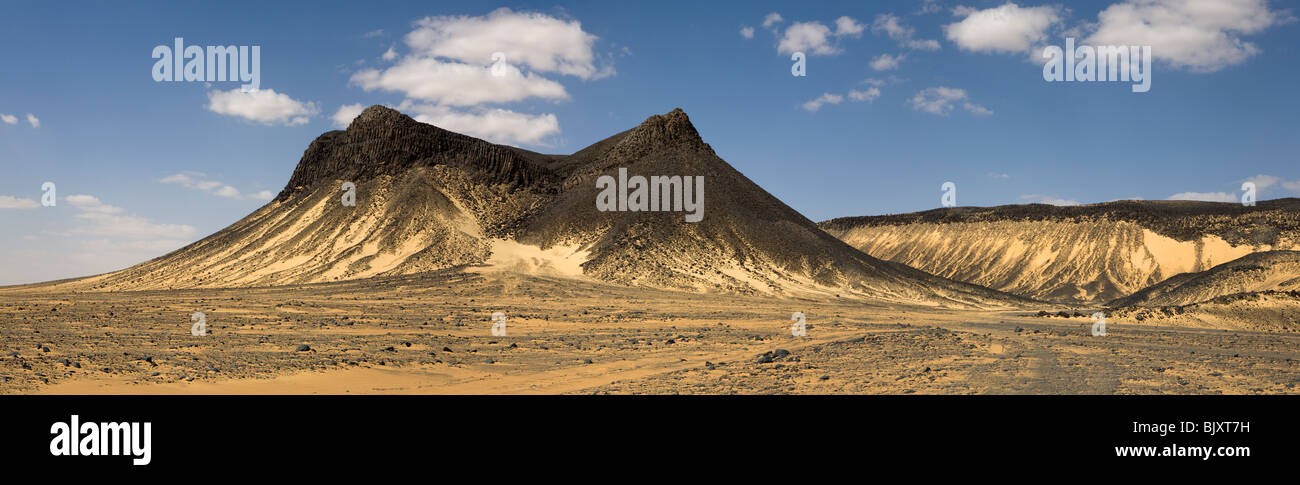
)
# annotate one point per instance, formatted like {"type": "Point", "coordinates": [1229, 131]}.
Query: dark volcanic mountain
{"type": "Point", "coordinates": [1079, 254]}
{"type": "Point", "coordinates": [429, 199]}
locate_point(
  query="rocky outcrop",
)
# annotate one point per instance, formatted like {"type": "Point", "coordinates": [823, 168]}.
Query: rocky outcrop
{"type": "Point", "coordinates": [382, 141]}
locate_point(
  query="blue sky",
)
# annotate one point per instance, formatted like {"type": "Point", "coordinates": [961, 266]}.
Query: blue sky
{"type": "Point", "coordinates": [143, 167]}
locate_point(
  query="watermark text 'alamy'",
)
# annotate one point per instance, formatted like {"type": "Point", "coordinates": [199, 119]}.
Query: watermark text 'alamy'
{"type": "Point", "coordinates": [211, 64]}
{"type": "Point", "coordinates": [1115, 63]}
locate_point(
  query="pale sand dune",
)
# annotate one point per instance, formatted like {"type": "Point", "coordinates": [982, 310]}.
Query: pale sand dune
{"type": "Point", "coordinates": [515, 257]}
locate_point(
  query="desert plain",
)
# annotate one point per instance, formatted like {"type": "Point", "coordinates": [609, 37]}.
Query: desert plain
{"type": "Point", "coordinates": [431, 334]}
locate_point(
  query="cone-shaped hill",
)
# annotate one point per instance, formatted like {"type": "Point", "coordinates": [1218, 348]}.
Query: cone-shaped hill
{"type": "Point", "coordinates": [429, 199]}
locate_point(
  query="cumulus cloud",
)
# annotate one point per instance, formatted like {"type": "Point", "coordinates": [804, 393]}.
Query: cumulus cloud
{"type": "Point", "coordinates": [106, 220]}
{"type": "Point", "coordinates": [747, 32]}
{"type": "Point", "coordinates": [1262, 181]}
{"type": "Point", "coordinates": [886, 62]}
{"type": "Point", "coordinates": [8, 119]}
{"type": "Point", "coordinates": [458, 66]}
{"type": "Point", "coordinates": [458, 84]}
{"type": "Point", "coordinates": [976, 109]}
{"type": "Point", "coordinates": [825, 98]}
{"type": "Point", "coordinates": [1005, 29]}
{"type": "Point", "coordinates": [893, 27]}
{"type": "Point", "coordinates": [1197, 35]}
{"type": "Point", "coordinates": [263, 106]}
{"type": "Point", "coordinates": [870, 94]}
{"type": "Point", "coordinates": [846, 25]}
{"type": "Point", "coordinates": [11, 202]}
{"type": "Point", "coordinates": [772, 19]}
{"type": "Point", "coordinates": [199, 181]}
{"type": "Point", "coordinates": [940, 101]}
{"type": "Point", "coordinates": [494, 125]}
{"type": "Point", "coordinates": [389, 54]}
{"type": "Point", "coordinates": [542, 43]}
{"type": "Point", "coordinates": [815, 38]}
{"type": "Point", "coordinates": [1206, 196]}
{"type": "Point", "coordinates": [33, 120]}
{"type": "Point", "coordinates": [346, 113]}
{"type": "Point", "coordinates": [809, 37]}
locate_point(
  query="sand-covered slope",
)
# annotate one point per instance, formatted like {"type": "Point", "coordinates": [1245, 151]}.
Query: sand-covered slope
{"type": "Point", "coordinates": [1273, 311]}
{"type": "Point", "coordinates": [1259, 291]}
{"type": "Point", "coordinates": [1266, 271]}
{"type": "Point", "coordinates": [429, 199]}
{"type": "Point", "coordinates": [1080, 254]}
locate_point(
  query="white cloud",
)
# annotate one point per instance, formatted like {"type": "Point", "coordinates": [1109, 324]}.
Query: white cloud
{"type": "Point", "coordinates": [1008, 28]}
{"type": "Point", "coordinates": [976, 109]}
{"type": "Point", "coordinates": [870, 94]}
{"type": "Point", "coordinates": [747, 32]}
{"type": "Point", "coordinates": [106, 220]}
{"type": "Point", "coordinates": [91, 204]}
{"type": "Point", "coordinates": [929, 6]}
{"type": "Point", "coordinates": [454, 72]}
{"type": "Point", "coordinates": [892, 26]}
{"type": "Point", "coordinates": [373, 33]}
{"type": "Point", "coordinates": [940, 101]}
{"type": "Point", "coordinates": [1047, 199]}
{"type": "Point", "coordinates": [815, 38]}
{"type": "Point", "coordinates": [227, 192]}
{"type": "Point", "coordinates": [1264, 181]}
{"type": "Point", "coordinates": [540, 42]}
{"type": "Point", "coordinates": [346, 113]}
{"type": "Point", "coordinates": [8, 119]}
{"type": "Point", "coordinates": [997, 175]}
{"type": "Point", "coordinates": [33, 120]}
{"type": "Point", "coordinates": [11, 202]}
{"type": "Point", "coordinates": [494, 125]}
{"type": "Point", "coordinates": [825, 98]}
{"type": "Point", "coordinates": [1197, 35]}
{"type": "Point", "coordinates": [846, 25]}
{"type": "Point", "coordinates": [196, 180]}
{"type": "Point", "coordinates": [1206, 196]}
{"type": "Point", "coordinates": [263, 106]}
{"type": "Point", "coordinates": [772, 19]}
{"type": "Point", "coordinates": [886, 62]}
{"type": "Point", "coordinates": [457, 84]}
{"type": "Point", "coordinates": [812, 38]}
{"type": "Point", "coordinates": [389, 54]}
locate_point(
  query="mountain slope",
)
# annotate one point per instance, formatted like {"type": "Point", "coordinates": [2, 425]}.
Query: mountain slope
{"type": "Point", "coordinates": [1265, 271]}
{"type": "Point", "coordinates": [429, 199]}
{"type": "Point", "coordinates": [1077, 254]}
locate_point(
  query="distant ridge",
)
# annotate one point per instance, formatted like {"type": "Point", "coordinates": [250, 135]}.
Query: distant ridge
{"type": "Point", "coordinates": [1087, 254]}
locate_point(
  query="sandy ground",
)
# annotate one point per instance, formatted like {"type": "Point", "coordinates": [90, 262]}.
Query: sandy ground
{"type": "Point", "coordinates": [431, 334]}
